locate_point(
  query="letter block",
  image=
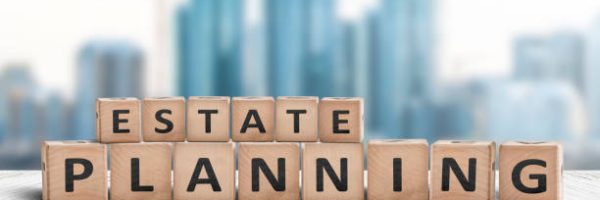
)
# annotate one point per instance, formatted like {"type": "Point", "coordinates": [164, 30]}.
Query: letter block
{"type": "Point", "coordinates": [332, 171]}
{"type": "Point", "coordinates": [463, 170]}
{"type": "Point", "coordinates": [530, 170]}
{"type": "Point", "coordinates": [253, 119]}
{"type": "Point", "coordinates": [398, 169]}
{"type": "Point", "coordinates": [204, 170]}
{"type": "Point", "coordinates": [297, 119]}
{"type": "Point", "coordinates": [74, 170]}
{"type": "Point", "coordinates": [140, 171]}
{"type": "Point", "coordinates": [118, 120]}
{"type": "Point", "coordinates": [268, 171]}
{"type": "Point", "coordinates": [341, 119]}
{"type": "Point", "coordinates": [164, 119]}
{"type": "Point", "coordinates": [208, 119]}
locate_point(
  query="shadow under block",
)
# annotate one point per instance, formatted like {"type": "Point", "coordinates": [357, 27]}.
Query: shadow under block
{"type": "Point", "coordinates": [118, 120]}
{"type": "Point", "coordinates": [332, 171]}
{"type": "Point", "coordinates": [74, 170]}
{"type": "Point", "coordinates": [253, 119]}
{"type": "Point", "coordinates": [140, 171]}
{"type": "Point", "coordinates": [164, 119]}
{"type": "Point", "coordinates": [463, 170]}
{"type": "Point", "coordinates": [530, 170]}
{"type": "Point", "coordinates": [204, 170]}
{"type": "Point", "coordinates": [398, 169]}
{"type": "Point", "coordinates": [341, 119]}
{"type": "Point", "coordinates": [208, 119]}
{"type": "Point", "coordinates": [297, 119]}
{"type": "Point", "coordinates": [268, 171]}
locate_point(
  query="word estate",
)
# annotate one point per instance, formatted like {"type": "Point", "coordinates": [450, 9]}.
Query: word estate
{"type": "Point", "coordinates": [188, 153]}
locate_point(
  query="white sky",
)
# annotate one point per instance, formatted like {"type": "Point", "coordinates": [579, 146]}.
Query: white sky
{"type": "Point", "coordinates": [474, 35]}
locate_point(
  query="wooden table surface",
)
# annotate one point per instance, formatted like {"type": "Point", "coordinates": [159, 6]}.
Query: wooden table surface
{"type": "Point", "coordinates": [25, 185]}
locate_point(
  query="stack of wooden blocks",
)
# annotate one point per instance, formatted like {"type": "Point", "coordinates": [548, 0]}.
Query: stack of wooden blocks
{"type": "Point", "coordinates": [187, 153]}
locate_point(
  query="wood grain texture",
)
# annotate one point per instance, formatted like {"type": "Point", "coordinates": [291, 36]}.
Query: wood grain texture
{"type": "Point", "coordinates": [154, 170]}
{"type": "Point", "coordinates": [265, 109]}
{"type": "Point", "coordinates": [221, 156]}
{"type": "Point", "coordinates": [350, 119]}
{"type": "Point", "coordinates": [27, 184]}
{"type": "Point", "coordinates": [413, 156]}
{"type": "Point", "coordinates": [307, 128]}
{"type": "Point", "coordinates": [483, 152]}
{"type": "Point", "coordinates": [333, 153]}
{"type": "Point", "coordinates": [175, 106]}
{"type": "Point", "coordinates": [54, 157]}
{"type": "Point", "coordinates": [515, 153]}
{"type": "Point", "coordinates": [197, 109]}
{"type": "Point", "coordinates": [270, 153]}
{"type": "Point", "coordinates": [104, 120]}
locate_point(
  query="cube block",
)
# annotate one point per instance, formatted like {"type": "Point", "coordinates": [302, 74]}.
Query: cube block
{"type": "Point", "coordinates": [398, 169]}
{"type": "Point", "coordinates": [253, 119]}
{"type": "Point", "coordinates": [74, 170]}
{"type": "Point", "coordinates": [332, 171]}
{"type": "Point", "coordinates": [341, 119]}
{"type": "Point", "coordinates": [208, 119]}
{"type": "Point", "coordinates": [463, 170]}
{"type": "Point", "coordinates": [297, 119]}
{"type": "Point", "coordinates": [204, 170]}
{"type": "Point", "coordinates": [164, 119]}
{"type": "Point", "coordinates": [118, 120]}
{"type": "Point", "coordinates": [268, 171]}
{"type": "Point", "coordinates": [140, 171]}
{"type": "Point", "coordinates": [530, 170]}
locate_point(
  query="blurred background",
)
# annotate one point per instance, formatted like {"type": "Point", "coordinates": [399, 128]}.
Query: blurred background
{"type": "Point", "coordinates": [435, 69]}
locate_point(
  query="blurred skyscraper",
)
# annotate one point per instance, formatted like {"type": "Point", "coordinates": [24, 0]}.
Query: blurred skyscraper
{"type": "Point", "coordinates": [106, 68]}
{"type": "Point", "coordinates": [16, 85]}
{"type": "Point", "coordinates": [402, 73]}
{"type": "Point", "coordinates": [592, 78]}
{"type": "Point", "coordinates": [209, 48]}
{"type": "Point", "coordinates": [557, 57]}
{"type": "Point", "coordinates": [54, 119]}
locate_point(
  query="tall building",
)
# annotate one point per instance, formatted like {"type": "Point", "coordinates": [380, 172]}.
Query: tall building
{"type": "Point", "coordinates": [402, 73]}
{"type": "Point", "coordinates": [592, 78]}
{"type": "Point", "coordinates": [255, 72]}
{"type": "Point", "coordinates": [209, 48]}
{"type": "Point", "coordinates": [54, 119]}
{"type": "Point", "coordinates": [106, 68]}
{"type": "Point", "coordinates": [17, 87]}
{"type": "Point", "coordinates": [556, 57]}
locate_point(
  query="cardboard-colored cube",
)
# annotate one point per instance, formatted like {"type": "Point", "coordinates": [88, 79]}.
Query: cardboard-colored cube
{"type": "Point", "coordinates": [208, 119]}
{"type": "Point", "coordinates": [204, 170]}
{"type": "Point", "coordinates": [332, 171]}
{"type": "Point", "coordinates": [253, 119]}
{"type": "Point", "coordinates": [398, 169]}
{"type": "Point", "coordinates": [74, 170]}
{"type": "Point", "coordinates": [268, 170]}
{"type": "Point", "coordinates": [118, 120]}
{"type": "Point", "coordinates": [530, 170]}
{"type": "Point", "coordinates": [341, 119]}
{"type": "Point", "coordinates": [297, 119]}
{"type": "Point", "coordinates": [164, 119]}
{"type": "Point", "coordinates": [463, 170]}
{"type": "Point", "coordinates": [140, 171]}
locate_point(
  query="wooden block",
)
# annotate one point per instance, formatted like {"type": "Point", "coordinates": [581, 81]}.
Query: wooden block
{"type": "Point", "coordinates": [253, 119]}
{"type": "Point", "coordinates": [118, 120]}
{"type": "Point", "coordinates": [463, 170]}
{"type": "Point", "coordinates": [398, 169]}
{"type": "Point", "coordinates": [297, 119]}
{"type": "Point", "coordinates": [208, 119]}
{"type": "Point", "coordinates": [530, 170]}
{"type": "Point", "coordinates": [164, 119]}
{"type": "Point", "coordinates": [204, 170]}
{"type": "Point", "coordinates": [74, 170]}
{"type": "Point", "coordinates": [341, 119]}
{"type": "Point", "coordinates": [140, 171]}
{"type": "Point", "coordinates": [268, 171]}
{"type": "Point", "coordinates": [332, 171]}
